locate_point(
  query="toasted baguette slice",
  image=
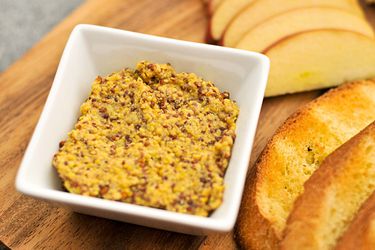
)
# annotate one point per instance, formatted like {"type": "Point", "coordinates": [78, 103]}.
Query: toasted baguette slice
{"type": "Point", "coordinates": [361, 232]}
{"type": "Point", "coordinates": [293, 154]}
{"type": "Point", "coordinates": [333, 194]}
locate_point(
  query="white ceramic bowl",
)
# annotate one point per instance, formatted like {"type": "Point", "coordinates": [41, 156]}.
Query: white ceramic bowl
{"type": "Point", "coordinates": [93, 50]}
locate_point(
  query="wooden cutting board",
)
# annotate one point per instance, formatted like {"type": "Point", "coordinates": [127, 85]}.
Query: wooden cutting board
{"type": "Point", "coordinates": [26, 223]}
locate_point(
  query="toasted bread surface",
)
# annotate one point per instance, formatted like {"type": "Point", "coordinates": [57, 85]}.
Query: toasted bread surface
{"type": "Point", "coordinates": [293, 154]}
{"type": "Point", "coordinates": [333, 194]}
{"type": "Point", "coordinates": [361, 232]}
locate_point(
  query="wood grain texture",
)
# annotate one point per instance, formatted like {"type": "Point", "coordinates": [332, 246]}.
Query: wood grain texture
{"type": "Point", "coordinates": [26, 223]}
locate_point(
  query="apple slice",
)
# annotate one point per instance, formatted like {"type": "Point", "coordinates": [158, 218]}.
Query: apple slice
{"type": "Point", "coordinates": [294, 21]}
{"type": "Point", "coordinates": [224, 14]}
{"type": "Point", "coordinates": [261, 10]}
{"type": "Point", "coordinates": [354, 2]}
{"type": "Point", "coordinates": [319, 59]}
{"type": "Point", "coordinates": [356, 5]}
{"type": "Point", "coordinates": [213, 5]}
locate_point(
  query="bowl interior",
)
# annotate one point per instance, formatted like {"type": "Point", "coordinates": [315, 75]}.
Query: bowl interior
{"type": "Point", "coordinates": [98, 51]}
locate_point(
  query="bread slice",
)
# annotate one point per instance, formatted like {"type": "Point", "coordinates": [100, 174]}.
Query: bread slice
{"type": "Point", "coordinates": [333, 194]}
{"type": "Point", "coordinates": [361, 232]}
{"type": "Point", "coordinates": [293, 154]}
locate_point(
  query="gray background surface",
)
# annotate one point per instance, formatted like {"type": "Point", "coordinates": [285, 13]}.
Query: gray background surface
{"type": "Point", "coordinates": [24, 22]}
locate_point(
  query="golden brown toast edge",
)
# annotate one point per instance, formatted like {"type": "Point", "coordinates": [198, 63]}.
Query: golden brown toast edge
{"type": "Point", "coordinates": [360, 234]}
{"type": "Point", "coordinates": [304, 221]}
{"type": "Point", "coordinates": [253, 230]}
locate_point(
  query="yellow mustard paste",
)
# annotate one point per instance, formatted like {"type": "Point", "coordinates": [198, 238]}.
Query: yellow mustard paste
{"type": "Point", "coordinates": [151, 137]}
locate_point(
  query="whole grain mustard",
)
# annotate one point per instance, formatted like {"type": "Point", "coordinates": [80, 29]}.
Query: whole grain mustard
{"type": "Point", "coordinates": [151, 137]}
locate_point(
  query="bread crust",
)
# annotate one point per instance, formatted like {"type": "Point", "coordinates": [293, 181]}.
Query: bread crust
{"type": "Point", "coordinates": [318, 219]}
{"type": "Point", "coordinates": [361, 232]}
{"type": "Point", "coordinates": [257, 230]}
{"type": "Point", "coordinates": [258, 234]}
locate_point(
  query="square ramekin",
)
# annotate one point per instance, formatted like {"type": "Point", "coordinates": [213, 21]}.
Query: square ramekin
{"type": "Point", "coordinates": [94, 50]}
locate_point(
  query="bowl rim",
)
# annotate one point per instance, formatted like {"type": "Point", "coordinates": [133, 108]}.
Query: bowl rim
{"type": "Point", "coordinates": [219, 224]}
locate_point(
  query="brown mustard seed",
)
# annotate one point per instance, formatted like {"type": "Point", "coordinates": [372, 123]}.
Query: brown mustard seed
{"type": "Point", "coordinates": [152, 137]}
